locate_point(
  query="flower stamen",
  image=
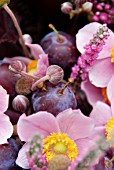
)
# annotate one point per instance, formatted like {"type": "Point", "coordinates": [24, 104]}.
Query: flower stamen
{"type": "Point", "coordinates": [110, 131]}
{"type": "Point", "coordinates": [112, 55]}
{"type": "Point", "coordinates": [59, 143]}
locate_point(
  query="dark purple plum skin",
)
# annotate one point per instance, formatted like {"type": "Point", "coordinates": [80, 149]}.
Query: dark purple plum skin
{"type": "Point", "coordinates": [63, 53]}
{"type": "Point", "coordinates": [14, 116]}
{"type": "Point", "coordinates": [8, 155]}
{"type": "Point", "coordinates": [7, 79]}
{"type": "Point", "coordinates": [51, 101]}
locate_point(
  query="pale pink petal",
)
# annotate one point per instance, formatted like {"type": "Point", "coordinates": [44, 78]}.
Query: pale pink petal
{"type": "Point", "coordinates": [36, 50]}
{"type": "Point", "coordinates": [110, 93]}
{"type": "Point", "coordinates": [23, 59]}
{"type": "Point", "coordinates": [6, 128]}
{"type": "Point", "coordinates": [27, 38]}
{"type": "Point", "coordinates": [43, 63]}
{"type": "Point", "coordinates": [101, 72]}
{"type": "Point", "coordinates": [106, 51]}
{"type": "Point", "coordinates": [98, 132]}
{"type": "Point", "coordinates": [101, 113]}
{"type": "Point", "coordinates": [85, 34]}
{"type": "Point", "coordinates": [22, 158]}
{"type": "Point", "coordinates": [4, 99]}
{"type": "Point", "coordinates": [41, 122]}
{"type": "Point", "coordinates": [84, 146]}
{"type": "Point", "coordinates": [92, 92]}
{"type": "Point", "coordinates": [73, 123]}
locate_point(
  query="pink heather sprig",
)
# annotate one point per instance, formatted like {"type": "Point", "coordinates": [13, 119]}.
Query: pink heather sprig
{"type": "Point", "coordinates": [88, 59]}
{"type": "Point", "coordinates": [36, 160]}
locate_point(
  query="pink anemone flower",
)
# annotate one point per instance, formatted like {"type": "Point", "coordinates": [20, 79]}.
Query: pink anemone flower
{"type": "Point", "coordinates": [70, 131]}
{"type": "Point", "coordinates": [38, 54]}
{"type": "Point", "coordinates": [41, 57]}
{"type": "Point", "coordinates": [6, 128]}
{"type": "Point", "coordinates": [100, 73]}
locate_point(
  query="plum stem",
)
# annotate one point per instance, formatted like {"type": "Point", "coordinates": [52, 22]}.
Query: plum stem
{"type": "Point", "coordinates": [66, 85]}
{"type": "Point", "coordinates": [60, 39]}
{"type": "Point", "coordinates": [28, 75]}
{"type": "Point", "coordinates": [8, 10]}
{"type": "Point", "coordinates": [47, 77]}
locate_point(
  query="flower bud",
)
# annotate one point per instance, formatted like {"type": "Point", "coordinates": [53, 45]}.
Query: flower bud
{"type": "Point", "coordinates": [27, 39]}
{"type": "Point", "coordinates": [56, 74]}
{"type": "Point", "coordinates": [20, 103]}
{"type": "Point", "coordinates": [2, 2]}
{"type": "Point", "coordinates": [87, 6]}
{"type": "Point", "coordinates": [17, 66]}
{"type": "Point", "coordinates": [59, 162]}
{"type": "Point", "coordinates": [66, 7]}
{"type": "Point", "coordinates": [23, 86]}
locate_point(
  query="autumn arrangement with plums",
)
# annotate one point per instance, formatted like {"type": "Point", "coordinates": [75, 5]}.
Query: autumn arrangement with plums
{"type": "Point", "coordinates": [56, 85]}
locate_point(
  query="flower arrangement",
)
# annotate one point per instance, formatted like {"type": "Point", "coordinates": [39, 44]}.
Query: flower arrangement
{"type": "Point", "coordinates": [56, 87]}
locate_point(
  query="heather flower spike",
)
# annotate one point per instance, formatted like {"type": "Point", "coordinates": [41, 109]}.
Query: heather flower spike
{"type": "Point", "coordinates": [34, 154]}
{"type": "Point", "coordinates": [4, 4]}
{"type": "Point", "coordinates": [92, 49]}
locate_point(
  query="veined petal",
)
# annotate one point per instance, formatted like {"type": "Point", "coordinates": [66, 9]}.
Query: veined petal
{"type": "Point", "coordinates": [36, 50]}
{"type": "Point", "coordinates": [84, 146]}
{"type": "Point", "coordinates": [101, 72]}
{"type": "Point", "coordinates": [22, 158]}
{"type": "Point", "coordinates": [85, 34]}
{"type": "Point", "coordinates": [106, 51]}
{"type": "Point", "coordinates": [75, 124]}
{"type": "Point", "coordinates": [98, 132]}
{"type": "Point", "coordinates": [4, 99]}
{"type": "Point", "coordinates": [92, 92]}
{"type": "Point", "coordinates": [42, 65]}
{"type": "Point", "coordinates": [6, 128]}
{"type": "Point", "coordinates": [41, 122]}
{"type": "Point", "coordinates": [110, 93]}
{"type": "Point", "coordinates": [101, 113]}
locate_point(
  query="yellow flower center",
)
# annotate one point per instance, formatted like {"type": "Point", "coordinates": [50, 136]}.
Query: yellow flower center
{"type": "Point", "coordinates": [59, 143]}
{"type": "Point", "coordinates": [104, 94]}
{"type": "Point", "coordinates": [110, 131]}
{"type": "Point", "coordinates": [112, 55]}
{"type": "Point", "coordinates": [32, 67]}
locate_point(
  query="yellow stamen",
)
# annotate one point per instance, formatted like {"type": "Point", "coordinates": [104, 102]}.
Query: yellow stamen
{"type": "Point", "coordinates": [104, 94]}
{"type": "Point", "coordinates": [59, 143]}
{"type": "Point", "coordinates": [110, 131]}
{"type": "Point", "coordinates": [32, 67]}
{"type": "Point", "coordinates": [112, 55]}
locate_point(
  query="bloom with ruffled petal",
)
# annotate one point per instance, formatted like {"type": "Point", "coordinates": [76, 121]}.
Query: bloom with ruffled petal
{"type": "Point", "coordinates": [40, 57]}
{"type": "Point", "coordinates": [103, 116]}
{"type": "Point", "coordinates": [4, 99]}
{"type": "Point", "coordinates": [64, 134]}
{"type": "Point", "coordinates": [6, 128]}
{"type": "Point", "coordinates": [94, 93]}
{"type": "Point", "coordinates": [102, 71]}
